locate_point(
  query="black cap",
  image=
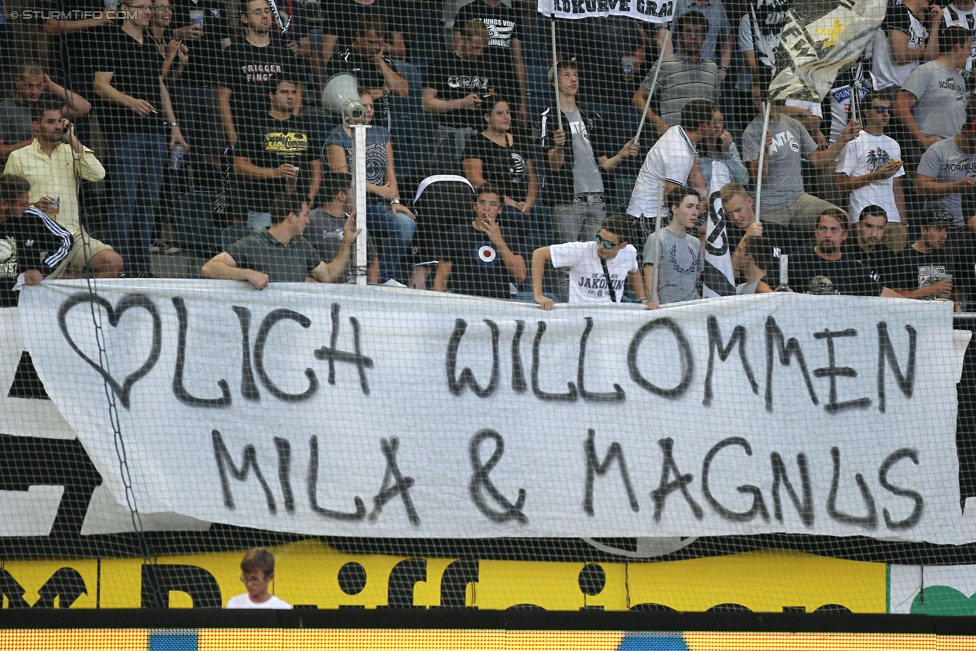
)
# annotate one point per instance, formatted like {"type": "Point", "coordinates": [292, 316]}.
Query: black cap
{"type": "Point", "coordinates": [936, 217]}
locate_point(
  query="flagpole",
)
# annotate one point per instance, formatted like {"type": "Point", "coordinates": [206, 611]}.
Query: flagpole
{"type": "Point", "coordinates": [657, 71]}
{"type": "Point", "coordinates": [656, 253]}
{"type": "Point", "coordinates": [277, 14]}
{"type": "Point", "coordinates": [555, 70]}
{"type": "Point", "coordinates": [762, 156]}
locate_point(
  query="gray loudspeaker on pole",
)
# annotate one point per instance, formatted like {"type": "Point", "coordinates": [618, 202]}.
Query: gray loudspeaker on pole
{"type": "Point", "coordinates": [341, 96]}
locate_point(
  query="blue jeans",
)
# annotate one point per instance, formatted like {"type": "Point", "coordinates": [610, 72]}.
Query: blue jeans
{"type": "Point", "coordinates": [397, 231]}
{"type": "Point", "coordinates": [137, 162]}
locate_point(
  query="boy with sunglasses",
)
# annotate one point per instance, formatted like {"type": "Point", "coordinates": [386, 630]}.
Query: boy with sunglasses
{"type": "Point", "coordinates": [596, 269]}
{"type": "Point", "coordinates": [257, 573]}
{"type": "Point", "coordinates": [870, 170]}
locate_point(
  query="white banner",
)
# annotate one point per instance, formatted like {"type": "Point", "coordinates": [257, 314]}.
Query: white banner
{"type": "Point", "coordinates": [376, 412]}
{"type": "Point", "coordinates": [648, 11]}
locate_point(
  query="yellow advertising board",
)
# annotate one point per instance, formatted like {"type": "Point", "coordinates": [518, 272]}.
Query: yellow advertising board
{"type": "Point", "coordinates": [315, 575]}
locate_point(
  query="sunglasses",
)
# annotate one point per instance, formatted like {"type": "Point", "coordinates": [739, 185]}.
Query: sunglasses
{"type": "Point", "coordinates": [607, 244]}
{"type": "Point", "coordinates": [884, 109]}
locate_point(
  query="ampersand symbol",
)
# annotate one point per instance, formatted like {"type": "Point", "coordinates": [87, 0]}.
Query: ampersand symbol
{"type": "Point", "coordinates": [480, 481]}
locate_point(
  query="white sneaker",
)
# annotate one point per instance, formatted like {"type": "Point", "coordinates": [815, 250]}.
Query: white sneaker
{"type": "Point", "coordinates": [159, 246]}
{"type": "Point", "coordinates": [393, 283]}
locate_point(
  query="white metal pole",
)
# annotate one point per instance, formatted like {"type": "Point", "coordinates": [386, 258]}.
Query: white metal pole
{"type": "Point", "coordinates": [762, 157]}
{"type": "Point", "coordinates": [555, 71]}
{"type": "Point", "coordinates": [656, 253]}
{"type": "Point", "coordinates": [359, 197]}
{"type": "Point", "coordinates": [650, 91]}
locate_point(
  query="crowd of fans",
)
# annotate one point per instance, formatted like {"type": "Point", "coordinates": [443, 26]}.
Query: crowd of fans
{"type": "Point", "coordinates": [487, 157]}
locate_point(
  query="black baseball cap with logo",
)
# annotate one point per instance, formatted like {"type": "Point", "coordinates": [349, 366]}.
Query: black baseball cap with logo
{"type": "Point", "coordinates": [936, 217]}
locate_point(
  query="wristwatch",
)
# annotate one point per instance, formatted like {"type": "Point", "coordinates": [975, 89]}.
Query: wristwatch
{"type": "Point", "coordinates": [394, 201]}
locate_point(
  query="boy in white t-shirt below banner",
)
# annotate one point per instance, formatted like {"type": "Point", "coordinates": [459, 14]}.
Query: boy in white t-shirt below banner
{"type": "Point", "coordinates": [257, 573]}
{"type": "Point", "coordinates": [596, 269]}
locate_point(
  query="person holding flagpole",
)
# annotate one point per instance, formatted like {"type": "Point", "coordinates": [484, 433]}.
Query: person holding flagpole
{"type": "Point", "coordinates": [784, 200]}
{"type": "Point", "coordinates": [575, 162]}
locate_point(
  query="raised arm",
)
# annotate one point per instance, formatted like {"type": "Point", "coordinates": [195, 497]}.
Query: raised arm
{"type": "Point", "coordinates": [330, 272]}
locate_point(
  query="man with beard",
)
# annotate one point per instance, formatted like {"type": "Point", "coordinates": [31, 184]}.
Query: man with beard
{"type": "Point", "coordinates": [825, 269]}
{"type": "Point", "coordinates": [868, 247]}
{"type": "Point", "coordinates": [53, 164]}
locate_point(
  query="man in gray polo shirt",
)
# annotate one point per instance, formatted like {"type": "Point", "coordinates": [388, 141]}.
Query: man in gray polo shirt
{"type": "Point", "coordinates": [281, 254]}
{"type": "Point", "coordinates": [684, 76]}
{"type": "Point", "coordinates": [933, 102]}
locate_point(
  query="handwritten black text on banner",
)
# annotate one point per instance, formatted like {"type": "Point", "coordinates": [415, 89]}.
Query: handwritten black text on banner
{"type": "Point", "coordinates": [333, 410]}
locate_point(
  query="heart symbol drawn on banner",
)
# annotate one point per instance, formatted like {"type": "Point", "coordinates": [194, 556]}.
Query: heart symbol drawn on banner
{"type": "Point", "coordinates": [114, 315]}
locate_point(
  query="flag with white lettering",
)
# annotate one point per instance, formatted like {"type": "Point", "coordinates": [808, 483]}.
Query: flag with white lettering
{"type": "Point", "coordinates": [819, 38]}
{"type": "Point", "coordinates": [648, 11]}
{"type": "Point", "coordinates": [719, 277]}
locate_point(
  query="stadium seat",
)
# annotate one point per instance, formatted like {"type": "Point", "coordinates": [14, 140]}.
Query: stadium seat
{"type": "Point", "coordinates": [194, 221]}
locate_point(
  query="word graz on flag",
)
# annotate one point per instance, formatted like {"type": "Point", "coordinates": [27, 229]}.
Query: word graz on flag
{"type": "Point", "coordinates": [654, 11]}
{"type": "Point", "coordinates": [360, 411]}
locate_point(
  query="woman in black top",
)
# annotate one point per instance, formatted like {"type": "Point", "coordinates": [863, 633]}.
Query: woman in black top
{"type": "Point", "coordinates": [492, 157]}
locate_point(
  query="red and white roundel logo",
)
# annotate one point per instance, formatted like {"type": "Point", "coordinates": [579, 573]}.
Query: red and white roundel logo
{"type": "Point", "coordinates": [487, 254]}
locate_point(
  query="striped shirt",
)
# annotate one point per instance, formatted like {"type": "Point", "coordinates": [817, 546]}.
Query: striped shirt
{"type": "Point", "coordinates": [37, 242]}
